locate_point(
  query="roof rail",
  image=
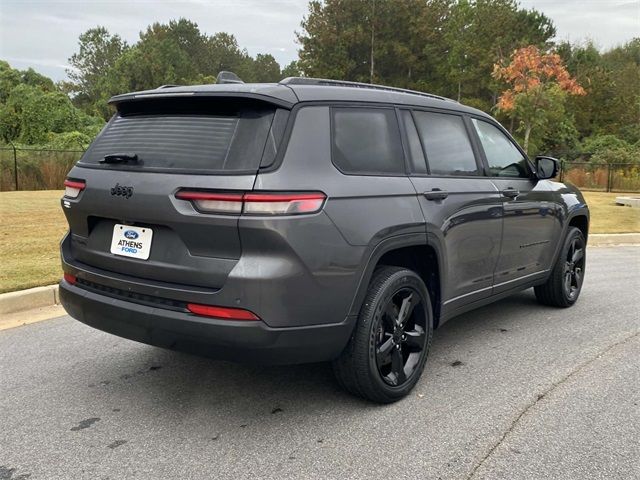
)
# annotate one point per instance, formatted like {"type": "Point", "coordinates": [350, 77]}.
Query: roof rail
{"type": "Point", "coordinates": [167, 86]}
{"type": "Point", "coordinates": [344, 83]}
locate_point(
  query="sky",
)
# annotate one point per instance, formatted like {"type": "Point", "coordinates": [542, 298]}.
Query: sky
{"type": "Point", "coordinates": [43, 34]}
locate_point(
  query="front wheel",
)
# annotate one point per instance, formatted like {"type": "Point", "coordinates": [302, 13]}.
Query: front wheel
{"type": "Point", "coordinates": [563, 287]}
{"type": "Point", "coordinates": [388, 349]}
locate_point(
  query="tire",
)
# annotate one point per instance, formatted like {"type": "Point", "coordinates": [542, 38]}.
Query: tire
{"type": "Point", "coordinates": [388, 349]}
{"type": "Point", "coordinates": [563, 287]}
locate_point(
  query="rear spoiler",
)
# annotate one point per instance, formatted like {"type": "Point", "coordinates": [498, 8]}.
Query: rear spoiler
{"type": "Point", "coordinates": [274, 94]}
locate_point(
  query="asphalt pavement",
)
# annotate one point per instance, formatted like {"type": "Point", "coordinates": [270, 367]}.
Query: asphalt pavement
{"type": "Point", "coordinates": [511, 391]}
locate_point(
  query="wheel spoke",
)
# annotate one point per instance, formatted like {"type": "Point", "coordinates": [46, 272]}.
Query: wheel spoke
{"type": "Point", "coordinates": [572, 249]}
{"type": "Point", "coordinates": [397, 366]}
{"type": "Point", "coordinates": [391, 311]}
{"type": "Point", "coordinates": [383, 352]}
{"type": "Point", "coordinates": [408, 304]}
{"type": "Point", "coordinates": [577, 275]}
{"type": "Point", "coordinates": [567, 281]}
{"type": "Point", "coordinates": [415, 338]}
{"type": "Point", "coordinates": [577, 255]}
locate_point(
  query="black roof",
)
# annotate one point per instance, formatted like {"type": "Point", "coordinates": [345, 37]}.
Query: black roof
{"type": "Point", "coordinates": [295, 90]}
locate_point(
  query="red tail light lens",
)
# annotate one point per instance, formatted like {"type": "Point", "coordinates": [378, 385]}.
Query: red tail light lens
{"type": "Point", "coordinates": [210, 202]}
{"type": "Point", "coordinates": [223, 313]}
{"type": "Point", "coordinates": [72, 188]}
{"type": "Point", "coordinates": [282, 204]}
{"type": "Point", "coordinates": [69, 278]}
{"type": "Point", "coordinates": [264, 203]}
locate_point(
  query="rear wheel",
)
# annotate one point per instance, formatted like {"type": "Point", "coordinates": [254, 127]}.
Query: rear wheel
{"type": "Point", "coordinates": [388, 349]}
{"type": "Point", "coordinates": [563, 287]}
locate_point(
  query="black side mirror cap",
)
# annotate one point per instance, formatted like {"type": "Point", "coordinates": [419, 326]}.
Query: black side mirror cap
{"type": "Point", "coordinates": [547, 167]}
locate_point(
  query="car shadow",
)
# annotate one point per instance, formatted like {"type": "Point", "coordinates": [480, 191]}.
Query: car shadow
{"type": "Point", "coordinates": [183, 388]}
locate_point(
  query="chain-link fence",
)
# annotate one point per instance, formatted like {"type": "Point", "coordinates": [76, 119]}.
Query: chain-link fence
{"type": "Point", "coordinates": [614, 177]}
{"type": "Point", "coordinates": [35, 169]}
{"type": "Point", "coordinates": [46, 169]}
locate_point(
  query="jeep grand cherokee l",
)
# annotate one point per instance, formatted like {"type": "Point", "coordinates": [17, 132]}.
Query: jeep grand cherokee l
{"type": "Point", "coordinates": [310, 220]}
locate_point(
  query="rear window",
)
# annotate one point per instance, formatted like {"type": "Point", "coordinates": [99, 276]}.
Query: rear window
{"type": "Point", "coordinates": [446, 144]}
{"type": "Point", "coordinates": [192, 135]}
{"type": "Point", "coordinates": [366, 141]}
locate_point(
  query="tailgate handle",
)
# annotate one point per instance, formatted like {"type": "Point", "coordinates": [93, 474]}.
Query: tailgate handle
{"type": "Point", "coordinates": [436, 194]}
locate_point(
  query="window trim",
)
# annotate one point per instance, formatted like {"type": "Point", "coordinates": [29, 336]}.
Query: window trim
{"type": "Point", "coordinates": [506, 133]}
{"type": "Point", "coordinates": [480, 165]}
{"type": "Point", "coordinates": [403, 164]}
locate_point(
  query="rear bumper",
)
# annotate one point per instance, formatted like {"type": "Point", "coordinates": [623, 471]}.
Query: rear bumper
{"type": "Point", "coordinates": [241, 341]}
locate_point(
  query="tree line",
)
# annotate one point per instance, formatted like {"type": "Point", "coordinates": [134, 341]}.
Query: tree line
{"type": "Point", "coordinates": [469, 50]}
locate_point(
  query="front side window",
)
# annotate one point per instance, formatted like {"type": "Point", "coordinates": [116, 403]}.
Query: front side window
{"type": "Point", "coordinates": [446, 144]}
{"type": "Point", "coordinates": [367, 141]}
{"type": "Point", "coordinates": [504, 159]}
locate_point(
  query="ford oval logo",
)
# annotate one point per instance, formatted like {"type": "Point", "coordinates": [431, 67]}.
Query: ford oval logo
{"type": "Point", "coordinates": [131, 235]}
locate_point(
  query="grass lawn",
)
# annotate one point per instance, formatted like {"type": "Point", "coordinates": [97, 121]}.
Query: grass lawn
{"type": "Point", "coordinates": [607, 217]}
{"type": "Point", "coordinates": [32, 224]}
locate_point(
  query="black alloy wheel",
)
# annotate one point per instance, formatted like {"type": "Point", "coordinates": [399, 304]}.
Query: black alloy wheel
{"type": "Point", "coordinates": [389, 346]}
{"type": "Point", "coordinates": [564, 284]}
{"type": "Point", "coordinates": [400, 337]}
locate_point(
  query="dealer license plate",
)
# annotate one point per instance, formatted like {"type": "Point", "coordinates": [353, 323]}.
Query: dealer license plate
{"type": "Point", "coordinates": [130, 241]}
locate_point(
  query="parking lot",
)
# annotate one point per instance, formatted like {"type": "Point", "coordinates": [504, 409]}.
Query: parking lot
{"type": "Point", "coordinates": [512, 391]}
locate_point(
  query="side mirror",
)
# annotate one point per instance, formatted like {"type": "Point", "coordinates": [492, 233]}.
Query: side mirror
{"type": "Point", "coordinates": [547, 167]}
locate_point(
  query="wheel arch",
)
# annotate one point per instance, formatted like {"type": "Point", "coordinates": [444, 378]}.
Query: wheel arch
{"type": "Point", "coordinates": [417, 252]}
{"type": "Point", "coordinates": [581, 221]}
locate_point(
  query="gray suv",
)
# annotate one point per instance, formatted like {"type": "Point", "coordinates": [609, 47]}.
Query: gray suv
{"type": "Point", "coordinates": [310, 220]}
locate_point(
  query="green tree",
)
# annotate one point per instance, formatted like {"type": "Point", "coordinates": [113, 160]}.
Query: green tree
{"type": "Point", "coordinates": [390, 41]}
{"type": "Point", "coordinates": [292, 70]}
{"type": "Point", "coordinates": [98, 53]}
{"type": "Point", "coordinates": [266, 69]}
{"type": "Point", "coordinates": [34, 109]}
{"type": "Point", "coordinates": [481, 33]}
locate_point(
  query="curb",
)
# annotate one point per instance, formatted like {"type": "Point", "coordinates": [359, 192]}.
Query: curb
{"type": "Point", "coordinates": [22, 300]}
{"type": "Point", "coordinates": [600, 239]}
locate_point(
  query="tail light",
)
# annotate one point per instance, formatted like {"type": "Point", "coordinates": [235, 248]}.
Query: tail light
{"type": "Point", "coordinates": [72, 188]}
{"type": "Point", "coordinates": [282, 204]}
{"type": "Point", "coordinates": [223, 313]}
{"type": "Point", "coordinates": [210, 202]}
{"type": "Point", "coordinates": [69, 278]}
{"type": "Point", "coordinates": [263, 203]}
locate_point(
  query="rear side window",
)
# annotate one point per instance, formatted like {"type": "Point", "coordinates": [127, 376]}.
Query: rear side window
{"type": "Point", "coordinates": [208, 135]}
{"type": "Point", "coordinates": [504, 159]}
{"type": "Point", "coordinates": [446, 144]}
{"type": "Point", "coordinates": [366, 141]}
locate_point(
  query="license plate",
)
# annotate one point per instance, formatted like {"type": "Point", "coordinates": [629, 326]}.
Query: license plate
{"type": "Point", "coordinates": [130, 241]}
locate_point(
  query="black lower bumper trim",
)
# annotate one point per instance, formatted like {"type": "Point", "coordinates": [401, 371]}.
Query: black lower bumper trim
{"type": "Point", "coordinates": [241, 341]}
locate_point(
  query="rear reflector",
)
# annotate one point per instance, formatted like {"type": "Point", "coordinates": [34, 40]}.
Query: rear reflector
{"type": "Point", "coordinates": [221, 312]}
{"type": "Point", "coordinates": [72, 188]}
{"type": "Point", "coordinates": [264, 203]}
{"type": "Point", "coordinates": [69, 278]}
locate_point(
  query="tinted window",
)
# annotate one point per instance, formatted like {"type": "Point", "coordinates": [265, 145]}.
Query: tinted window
{"type": "Point", "coordinates": [204, 136]}
{"type": "Point", "coordinates": [446, 144]}
{"type": "Point", "coordinates": [504, 159]}
{"type": "Point", "coordinates": [366, 140]}
{"type": "Point", "coordinates": [418, 162]}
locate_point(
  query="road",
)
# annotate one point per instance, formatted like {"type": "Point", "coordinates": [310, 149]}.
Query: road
{"type": "Point", "coordinates": [511, 391]}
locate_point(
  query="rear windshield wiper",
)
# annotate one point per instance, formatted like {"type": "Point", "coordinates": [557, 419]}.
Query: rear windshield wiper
{"type": "Point", "coordinates": [120, 158]}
